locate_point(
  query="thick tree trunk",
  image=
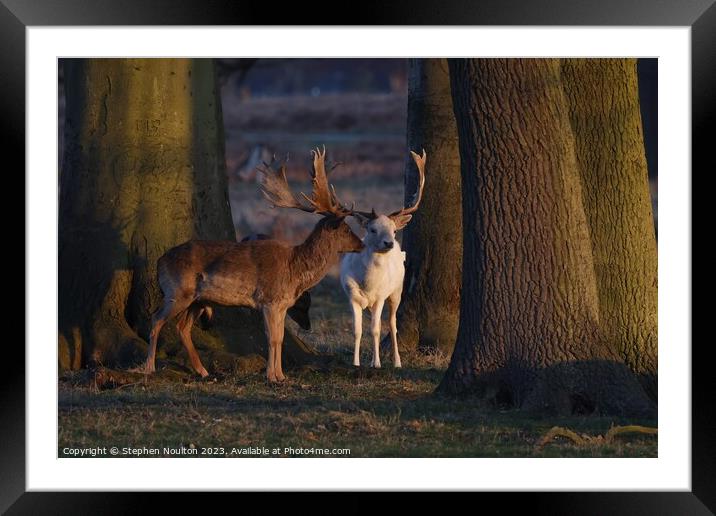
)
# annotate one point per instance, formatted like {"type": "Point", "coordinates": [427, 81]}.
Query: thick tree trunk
{"type": "Point", "coordinates": [529, 324]}
{"type": "Point", "coordinates": [143, 171]}
{"type": "Point", "coordinates": [603, 99]}
{"type": "Point", "coordinates": [429, 313]}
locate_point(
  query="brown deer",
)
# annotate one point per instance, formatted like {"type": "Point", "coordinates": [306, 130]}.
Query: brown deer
{"type": "Point", "coordinates": [267, 275]}
{"type": "Point", "coordinates": [299, 311]}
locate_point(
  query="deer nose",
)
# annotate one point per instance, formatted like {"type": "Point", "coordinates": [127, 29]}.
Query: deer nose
{"type": "Point", "coordinates": [388, 245]}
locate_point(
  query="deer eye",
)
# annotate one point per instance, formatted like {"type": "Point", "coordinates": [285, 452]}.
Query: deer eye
{"type": "Point", "coordinates": [373, 231]}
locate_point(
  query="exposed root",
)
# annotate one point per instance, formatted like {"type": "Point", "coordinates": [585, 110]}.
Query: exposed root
{"type": "Point", "coordinates": [629, 429]}
{"type": "Point", "coordinates": [592, 440]}
{"type": "Point", "coordinates": [102, 378]}
{"type": "Point", "coordinates": [558, 431]}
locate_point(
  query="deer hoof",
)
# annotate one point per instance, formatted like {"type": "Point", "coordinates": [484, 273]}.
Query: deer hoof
{"type": "Point", "coordinates": [203, 372]}
{"type": "Point", "coordinates": [398, 365]}
{"type": "Point", "coordinates": [149, 368]}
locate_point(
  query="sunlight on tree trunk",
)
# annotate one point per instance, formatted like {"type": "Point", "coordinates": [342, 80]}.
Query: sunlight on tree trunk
{"type": "Point", "coordinates": [143, 171]}
{"type": "Point", "coordinates": [529, 331]}
{"type": "Point", "coordinates": [603, 100]}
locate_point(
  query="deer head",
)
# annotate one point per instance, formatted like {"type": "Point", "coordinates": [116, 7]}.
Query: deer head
{"type": "Point", "coordinates": [323, 201]}
{"type": "Point", "coordinates": [381, 229]}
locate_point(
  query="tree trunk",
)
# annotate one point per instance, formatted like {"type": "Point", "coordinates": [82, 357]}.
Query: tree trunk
{"type": "Point", "coordinates": [529, 319]}
{"type": "Point", "coordinates": [143, 171]}
{"type": "Point", "coordinates": [429, 312]}
{"type": "Point", "coordinates": [603, 100]}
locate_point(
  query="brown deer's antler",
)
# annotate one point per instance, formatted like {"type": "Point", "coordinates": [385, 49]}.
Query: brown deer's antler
{"type": "Point", "coordinates": [274, 188]}
{"type": "Point", "coordinates": [420, 162]}
{"type": "Point", "coordinates": [323, 200]}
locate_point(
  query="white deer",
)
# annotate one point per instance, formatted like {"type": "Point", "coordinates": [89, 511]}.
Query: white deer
{"type": "Point", "coordinates": [376, 273]}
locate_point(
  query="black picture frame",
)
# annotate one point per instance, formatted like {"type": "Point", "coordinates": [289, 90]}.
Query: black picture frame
{"type": "Point", "coordinates": [700, 15]}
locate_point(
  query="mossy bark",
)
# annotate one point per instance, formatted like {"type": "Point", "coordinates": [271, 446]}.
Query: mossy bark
{"type": "Point", "coordinates": [529, 330]}
{"type": "Point", "coordinates": [430, 308]}
{"type": "Point", "coordinates": [603, 100]}
{"type": "Point", "coordinates": [143, 171]}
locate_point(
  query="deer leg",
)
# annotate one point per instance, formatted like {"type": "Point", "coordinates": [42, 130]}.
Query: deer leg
{"type": "Point", "coordinates": [377, 310]}
{"type": "Point", "coordinates": [279, 348]}
{"type": "Point", "coordinates": [273, 322]}
{"type": "Point", "coordinates": [271, 363]}
{"type": "Point", "coordinates": [357, 331]}
{"type": "Point", "coordinates": [168, 310]}
{"type": "Point", "coordinates": [184, 325]}
{"type": "Point", "coordinates": [393, 303]}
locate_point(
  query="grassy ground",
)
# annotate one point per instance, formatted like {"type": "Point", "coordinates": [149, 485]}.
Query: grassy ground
{"type": "Point", "coordinates": [384, 413]}
{"type": "Point", "coordinates": [372, 413]}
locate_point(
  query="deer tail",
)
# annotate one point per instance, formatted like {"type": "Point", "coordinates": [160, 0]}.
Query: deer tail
{"type": "Point", "coordinates": [205, 317]}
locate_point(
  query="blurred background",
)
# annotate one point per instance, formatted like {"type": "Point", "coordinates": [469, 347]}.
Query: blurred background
{"type": "Point", "coordinates": [358, 109]}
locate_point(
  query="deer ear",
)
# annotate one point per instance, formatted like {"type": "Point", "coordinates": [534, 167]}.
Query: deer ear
{"type": "Point", "coordinates": [362, 219]}
{"type": "Point", "coordinates": [401, 220]}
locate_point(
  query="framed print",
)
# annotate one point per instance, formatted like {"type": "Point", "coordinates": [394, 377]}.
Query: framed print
{"type": "Point", "coordinates": [484, 177]}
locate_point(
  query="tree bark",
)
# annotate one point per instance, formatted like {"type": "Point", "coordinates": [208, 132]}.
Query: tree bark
{"type": "Point", "coordinates": [143, 171]}
{"type": "Point", "coordinates": [429, 312]}
{"type": "Point", "coordinates": [603, 100]}
{"type": "Point", "coordinates": [529, 320]}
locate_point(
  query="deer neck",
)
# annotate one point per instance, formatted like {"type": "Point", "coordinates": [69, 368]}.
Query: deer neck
{"type": "Point", "coordinates": [311, 260]}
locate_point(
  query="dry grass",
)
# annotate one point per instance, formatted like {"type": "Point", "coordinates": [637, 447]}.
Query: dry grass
{"type": "Point", "coordinates": [383, 413]}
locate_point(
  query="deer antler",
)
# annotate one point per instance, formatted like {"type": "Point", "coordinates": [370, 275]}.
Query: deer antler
{"type": "Point", "coordinates": [323, 200]}
{"type": "Point", "coordinates": [274, 187]}
{"type": "Point", "coordinates": [420, 162]}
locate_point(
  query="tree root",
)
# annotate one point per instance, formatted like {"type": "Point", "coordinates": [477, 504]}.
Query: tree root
{"type": "Point", "coordinates": [103, 378]}
{"type": "Point", "coordinates": [592, 440]}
